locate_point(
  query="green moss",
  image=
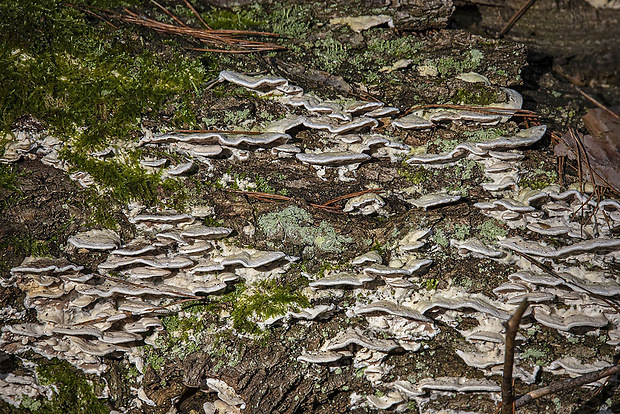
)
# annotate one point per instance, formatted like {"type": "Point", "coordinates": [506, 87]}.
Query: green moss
{"type": "Point", "coordinates": [450, 65]}
{"type": "Point", "coordinates": [72, 392]}
{"type": "Point", "coordinates": [293, 21]}
{"type": "Point", "coordinates": [295, 225]}
{"type": "Point", "coordinates": [431, 284]}
{"type": "Point", "coordinates": [415, 174]}
{"type": "Point", "coordinates": [267, 299]}
{"type": "Point", "coordinates": [485, 134]}
{"type": "Point", "coordinates": [540, 178]}
{"type": "Point", "coordinates": [154, 358]}
{"type": "Point", "coordinates": [478, 94]}
{"type": "Point", "coordinates": [331, 53]}
{"type": "Point", "coordinates": [124, 181]}
{"type": "Point", "coordinates": [232, 19]}
{"type": "Point", "coordinates": [405, 47]}
{"type": "Point", "coordinates": [8, 178]}
{"type": "Point", "coordinates": [92, 86]}
{"type": "Point", "coordinates": [13, 247]}
{"type": "Point", "coordinates": [86, 82]}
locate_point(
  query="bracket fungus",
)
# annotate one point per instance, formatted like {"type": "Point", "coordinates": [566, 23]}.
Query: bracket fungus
{"type": "Point", "coordinates": [342, 280]}
{"type": "Point", "coordinates": [355, 338]}
{"type": "Point", "coordinates": [458, 384]}
{"type": "Point", "coordinates": [387, 307]}
{"type": "Point", "coordinates": [332, 159]}
{"type": "Point", "coordinates": [434, 200]}
{"type": "Point", "coordinates": [320, 357]}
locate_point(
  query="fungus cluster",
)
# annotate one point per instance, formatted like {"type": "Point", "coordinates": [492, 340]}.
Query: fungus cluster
{"type": "Point", "coordinates": [86, 317]}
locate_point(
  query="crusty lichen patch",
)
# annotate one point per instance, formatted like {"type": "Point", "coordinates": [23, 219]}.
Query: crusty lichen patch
{"type": "Point", "coordinates": [296, 226]}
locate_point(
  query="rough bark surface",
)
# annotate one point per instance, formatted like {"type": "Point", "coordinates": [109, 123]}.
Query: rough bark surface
{"type": "Point", "coordinates": [582, 39]}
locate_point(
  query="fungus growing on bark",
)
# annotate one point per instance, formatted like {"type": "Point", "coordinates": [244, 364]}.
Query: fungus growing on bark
{"type": "Point", "coordinates": [320, 357]}
{"type": "Point", "coordinates": [355, 338]}
{"type": "Point", "coordinates": [434, 200]}
{"type": "Point", "coordinates": [333, 159]}
{"type": "Point", "coordinates": [342, 280]}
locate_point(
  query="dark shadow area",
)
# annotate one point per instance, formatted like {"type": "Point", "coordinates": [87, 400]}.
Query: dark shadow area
{"type": "Point", "coordinates": [466, 17]}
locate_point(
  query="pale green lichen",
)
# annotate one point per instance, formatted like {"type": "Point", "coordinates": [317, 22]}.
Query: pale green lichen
{"type": "Point", "coordinates": [461, 231]}
{"type": "Point", "coordinates": [296, 226]}
{"type": "Point", "coordinates": [538, 356]}
{"type": "Point", "coordinates": [485, 134]}
{"type": "Point", "coordinates": [491, 232]}
{"type": "Point", "coordinates": [441, 237]}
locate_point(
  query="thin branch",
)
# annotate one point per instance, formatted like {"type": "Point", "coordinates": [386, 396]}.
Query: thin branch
{"type": "Point", "coordinates": [225, 41]}
{"type": "Point", "coordinates": [92, 13]}
{"type": "Point", "coordinates": [514, 18]}
{"type": "Point", "coordinates": [512, 326]}
{"type": "Point", "coordinates": [347, 196]}
{"type": "Point", "coordinates": [326, 206]}
{"type": "Point", "coordinates": [567, 385]}
{"type": "Point", "coordinates": [481, 109]}
{"type": "Point", "coordinates": [597, 103]}
{"type": "Point", "coordinates": [175, 18]}
{"type": "Point", "coordinates": [197, 15]}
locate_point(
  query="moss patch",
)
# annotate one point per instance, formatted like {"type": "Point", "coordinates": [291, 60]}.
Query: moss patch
{"type": "Point", "coordinates": [266, 300]}
{"type": "Point", "coordinates": [93, 86]}
{"type": "Point", "coordinates": [72, 392]}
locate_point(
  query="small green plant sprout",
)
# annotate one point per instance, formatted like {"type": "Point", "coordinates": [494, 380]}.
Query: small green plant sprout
{"type": "Point", "coordinates": [431, 284]}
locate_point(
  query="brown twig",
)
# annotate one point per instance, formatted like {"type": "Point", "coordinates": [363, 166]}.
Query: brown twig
{"type": "Point", "coordinates": [202, 49]}
{"type": "Point", "coordinates": [481, 109]}
{"type": "Point", "coordinates": [325, 206]}
{"type": "Point", "coordinates": [225, 41]}
{"type": "Point", "coordinates": [175, 18]}
{"type": "Point", "coordinates": [567, 385]}
{"type": "Point", "coordinates": [262, 196]}
{"type": "Point", "coordinates": [597, 103]}
{"type": "Point", "coordinates": [512, 326]}
{"type": "Point", "coordinates": [214, 131]}
{"type": "Point", "coordinates": [92, 13]}
{"type": "Point", "coordinates": [347, 196]}
{"type": "Point", "coordinates": [197, 15]}
{"type": "Point", "coordinates": [514, 18]}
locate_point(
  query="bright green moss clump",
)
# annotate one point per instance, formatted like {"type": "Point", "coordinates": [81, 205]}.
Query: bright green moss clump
{"type": "Point", "coordinates": [267, 299]}
{"type": "Point", "coordinates": [73, 393]}
{"type": "Point", "coordinates": [83, 79]}
{"type": "Point", "coordinates": [92, 86]}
